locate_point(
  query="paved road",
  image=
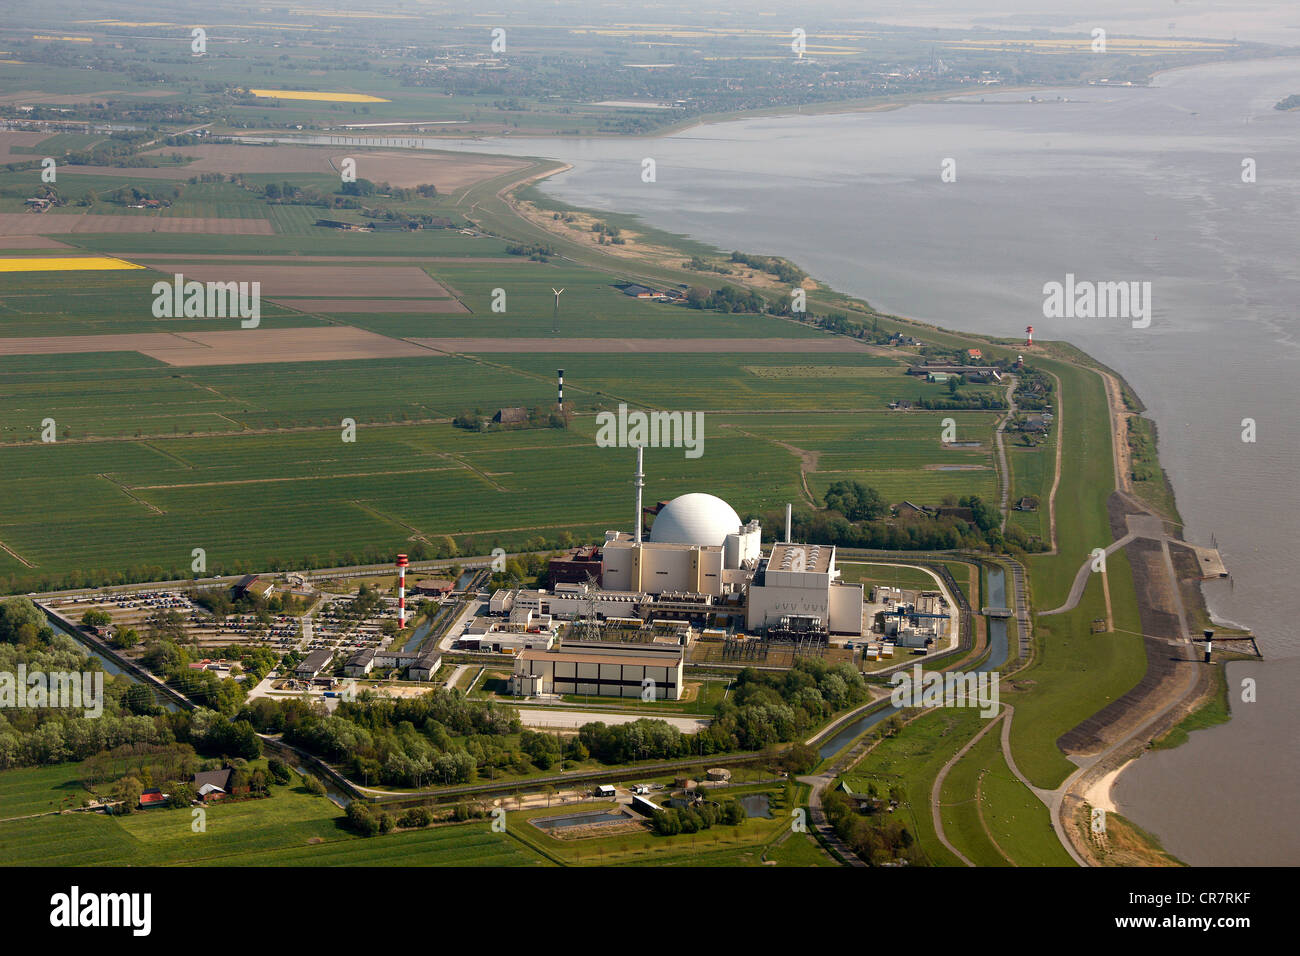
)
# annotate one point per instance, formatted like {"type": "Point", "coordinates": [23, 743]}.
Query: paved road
{"type": "Point", "coordinates": [1081, 578]}
{"type": "Point", "coordinates": [817, 816]}
{"type": "Point", "coordinates": [938, 786]}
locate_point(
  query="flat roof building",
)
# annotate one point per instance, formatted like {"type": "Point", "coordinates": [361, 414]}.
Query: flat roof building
{"type": "Point", "coordinates": [801, 581]}
{"type": "Point", "coordinates": [601, 670]}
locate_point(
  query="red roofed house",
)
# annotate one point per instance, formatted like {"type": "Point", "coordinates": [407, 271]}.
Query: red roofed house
{"type": "Point", "coordinates": [153, 798]}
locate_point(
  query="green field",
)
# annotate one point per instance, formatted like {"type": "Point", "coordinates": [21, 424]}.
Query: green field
{"type": "Point", "coordinates": [1005, 817]}
{"type": "Point", "coordinates": [40, 790]}
{"type": "Point", "coordinates": [290, 828]}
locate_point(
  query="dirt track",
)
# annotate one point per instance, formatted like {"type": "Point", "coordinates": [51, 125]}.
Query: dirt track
{"type": "Point", "coordinates": [291, 280]}
{"type": "Point", "coordinates": [235, 347]}
{"type": "Point", "coordinates": [372, 306]}
{"type": "Point", "coordinates": [55, 223]}
{"type": "Point", "coordinates": [602, 346]}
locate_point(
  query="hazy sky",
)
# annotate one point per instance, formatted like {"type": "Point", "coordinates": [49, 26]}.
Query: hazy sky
{"type": "Point", "coordinates": [1269, 21]}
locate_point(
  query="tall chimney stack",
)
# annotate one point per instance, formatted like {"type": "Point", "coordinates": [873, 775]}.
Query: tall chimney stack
{"type": "Point", "coordinates": [639, 483]}
{"type": "Point", "coordinates": [401, 590]}
{"type": "Point", "coordinates": [788, 511]}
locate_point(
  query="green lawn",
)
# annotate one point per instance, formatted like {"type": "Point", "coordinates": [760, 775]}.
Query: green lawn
{"type": "Point", "coordinates": [1013, 819]}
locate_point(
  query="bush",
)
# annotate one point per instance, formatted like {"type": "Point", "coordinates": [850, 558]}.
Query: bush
{"type": "Point", "coordinates": [416, 817]}
{"type": "Point", "coordinates": [279, 771]}
{"type": "Point", "coordinates": [362, 820]}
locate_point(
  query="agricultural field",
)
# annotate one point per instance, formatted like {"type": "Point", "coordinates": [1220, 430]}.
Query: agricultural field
{"type": "Point", "coordinates": [290, 828]}
{"type": "Point", "coordinates": [156, 446]}
{"type": "Point", "coordinates": [33, 790]}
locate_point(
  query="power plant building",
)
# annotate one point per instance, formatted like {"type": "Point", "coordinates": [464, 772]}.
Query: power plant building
{"type": "Point", "coordinates": [700, 562]}
{"type": "Point", "coordinates": [801, 580]}
{"type": "Point", "coordinates": [697, 545]}
{"type": "Point", "coordinates": [601, 670]}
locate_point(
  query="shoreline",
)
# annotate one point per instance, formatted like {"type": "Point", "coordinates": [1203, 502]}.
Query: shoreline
{"type": "Point", "coordinates": [1168, 712]}
{"type": "Point", "coordinates": [830, 108]}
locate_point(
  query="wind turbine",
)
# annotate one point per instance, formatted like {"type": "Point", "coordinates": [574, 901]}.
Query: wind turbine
{"type": "Point", "coordinates": [555, 318]}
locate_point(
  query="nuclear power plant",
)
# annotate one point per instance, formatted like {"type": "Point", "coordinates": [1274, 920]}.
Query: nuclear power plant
{"type": "Point", "coordinates": [699, 563]}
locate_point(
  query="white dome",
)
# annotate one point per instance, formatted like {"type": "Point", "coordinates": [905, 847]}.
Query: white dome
{"type": "Point", "coordinates": [695, 519]}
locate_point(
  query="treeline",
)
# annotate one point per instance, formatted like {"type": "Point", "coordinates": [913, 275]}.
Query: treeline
{"type": "Point", "coordinates": [120, 149]}
{"type": "Point", "coordinates": [537, 251]}
{"type": "Point", "coordinates": [439, 738]}
{"type": "Point", "coordinates": [726, 299]}
{"type": "Point", "coordinates": [959, 402]}
{"type": "Point", "coordinates": [935, 532]}
{"type": "Point", "coordinates": [442, 738]}
{"type": "Point", "coordinates": [774, 265]}
{"type": "Point", "coordinates": [34, 736]}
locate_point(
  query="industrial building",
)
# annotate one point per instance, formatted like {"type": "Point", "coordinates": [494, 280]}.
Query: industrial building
{"type": "Point", "coordinates": [600, 669]}
{"type": "Point", "coordinates": [801, 581]}
{"type": "Point", "coordinates": [701, 564]}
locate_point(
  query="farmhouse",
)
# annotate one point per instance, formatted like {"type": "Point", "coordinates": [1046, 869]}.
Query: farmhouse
{"type": "Point", "coordinates": [211, 785]}
{"type": "Point", "coordinates": [510, 416]}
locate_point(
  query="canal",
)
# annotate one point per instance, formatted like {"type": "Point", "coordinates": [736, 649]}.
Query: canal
{"type": "Point", "coordinates": [997, 656]}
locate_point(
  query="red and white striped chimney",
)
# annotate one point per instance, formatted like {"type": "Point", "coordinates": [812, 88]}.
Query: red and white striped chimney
{"type": "Point", "coordinates": [1029, 336]}
{"type": "Point", "coordinates": [401, 590]}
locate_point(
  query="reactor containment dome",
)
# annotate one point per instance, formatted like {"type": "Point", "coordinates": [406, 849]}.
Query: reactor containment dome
{"type": "Point", "coordinates": [696, 519]}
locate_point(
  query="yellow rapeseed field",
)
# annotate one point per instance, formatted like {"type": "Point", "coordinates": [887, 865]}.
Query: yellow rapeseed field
{"type": "Point", "coordinates": [319, 97]}
{"type": "Point", "coordinates": [65, 264]}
